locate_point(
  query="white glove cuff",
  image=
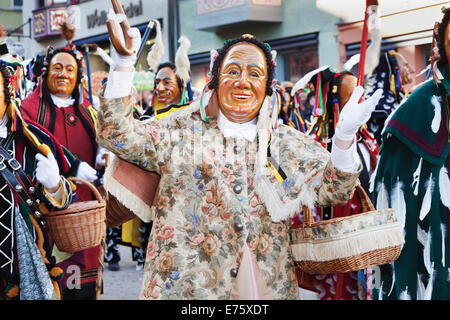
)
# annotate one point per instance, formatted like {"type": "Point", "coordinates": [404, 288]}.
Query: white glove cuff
{"type": "Point", "coordinates": [126, 62]}
{"type": "Point", "coordinates": [344, 136]}
{"type": "Point", "coordinates": [345, 160]}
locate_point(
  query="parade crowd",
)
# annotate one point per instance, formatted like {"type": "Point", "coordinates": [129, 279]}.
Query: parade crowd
{"type": "Point", "coordinates": [213, 182]}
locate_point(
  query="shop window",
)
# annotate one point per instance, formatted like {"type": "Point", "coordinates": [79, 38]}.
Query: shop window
{"type": "Point", "coordinates": [17, 3]}
{"type": "Point", "coordinates": [297, 62]}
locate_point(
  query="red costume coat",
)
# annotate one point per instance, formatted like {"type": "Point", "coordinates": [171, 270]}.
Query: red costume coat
{"type": "Point", "coordinates": [75, 130]}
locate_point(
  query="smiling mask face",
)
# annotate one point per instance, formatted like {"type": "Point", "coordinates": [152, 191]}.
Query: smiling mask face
{"type": "Point", "coordinates": [166, 86]}
{"type": "Point", "coordinates": [242, 82]}
{"type": "Point", "coordinates": [62, 75]}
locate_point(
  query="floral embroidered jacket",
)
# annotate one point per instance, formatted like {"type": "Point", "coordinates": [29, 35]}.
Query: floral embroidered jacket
{"type": "Point", "coordinates": [211, 204]}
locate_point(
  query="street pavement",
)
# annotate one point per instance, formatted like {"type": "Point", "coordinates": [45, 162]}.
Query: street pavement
{"type": "Point", "coordinates": [124, 284]}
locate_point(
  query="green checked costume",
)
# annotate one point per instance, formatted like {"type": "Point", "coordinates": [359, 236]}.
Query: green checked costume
{"type": "Point", "coordinates": [413, 178]}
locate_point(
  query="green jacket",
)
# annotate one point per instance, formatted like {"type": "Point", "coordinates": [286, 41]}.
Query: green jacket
{"type": "Point", "coordinates": [412, 177]}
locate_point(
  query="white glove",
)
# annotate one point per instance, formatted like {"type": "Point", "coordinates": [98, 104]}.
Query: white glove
{"type": "Point", "coordinates": [47, 171]}
{"type": "Point", "coordinates": [119, 60]}
{"type": "Point", "coordinates": [100, 159]}
{"type": "Point", "coordinates": [355, 114]}
{"type": "Point", "coordinates": [86, 172]}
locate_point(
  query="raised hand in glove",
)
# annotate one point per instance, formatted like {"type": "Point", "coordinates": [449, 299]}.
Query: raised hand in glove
{"type": "Point", "coordinates": [124, 61]}
{"type": "Point", "coordinates": [47, 172]}
{"type": "Point", "coordinates": [355, 114]}
{"type": "Point", "coordinates": [86, 172]}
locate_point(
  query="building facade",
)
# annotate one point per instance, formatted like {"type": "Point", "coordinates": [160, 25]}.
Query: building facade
{"type": "Point", "coordinates": [406, 27]}
{"type": "Point", "coordinates": [17, 32]}
{"type": "Point", "coordinates": [303, 35]}
{"type": "Point", "coordinates": [89, 17]}
{"type": "Point", "coordinates": [307, 33]}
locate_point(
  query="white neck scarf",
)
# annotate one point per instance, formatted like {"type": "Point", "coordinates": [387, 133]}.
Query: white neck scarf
{"type": "Point", "coordinates": [62, 102]}
{"type": "Point", "coordinates": [247, 130]}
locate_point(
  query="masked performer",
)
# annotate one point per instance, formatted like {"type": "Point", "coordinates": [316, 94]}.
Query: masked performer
{"type": "Point", "coordinates": [59, 105]}
{"type": "Point", "coordinates": [413, 178]}
{"type": "Point", "coordinates": [172, 92]}
{"type": "Point", "coordinates": [392, 74]}
{"type": "Point", "coordinates": [32, 170]}
{"type": "Point", "coordinates": [222, 214]}
{"type": "Point", "coordinates": [172, 80]}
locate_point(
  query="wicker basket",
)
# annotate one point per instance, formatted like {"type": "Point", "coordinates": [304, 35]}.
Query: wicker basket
{"type": "Point", "coordinates": [116, 213]}
{"type": "Point", "coordinates": [347, 244]}
{"type": "Point", "coordinates": [81, 225]}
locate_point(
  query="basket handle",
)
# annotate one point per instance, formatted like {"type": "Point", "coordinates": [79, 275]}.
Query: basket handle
{"type": "Point", "coordinates": [308, 219]}
{"type": "Point", "coordinates": [366, 202]}
{"type": "Point", "coordinates": [367, 206]}
{"type": "Point", "coordinates": [90, 185]}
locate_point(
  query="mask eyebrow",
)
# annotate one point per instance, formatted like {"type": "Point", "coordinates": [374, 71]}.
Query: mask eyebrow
{"type": "Point", "coordinates": [231, 62]}
{"type": "Point", "coordinates": [255, 65]}
{"type": "Point", "coordinates": [60, 64]}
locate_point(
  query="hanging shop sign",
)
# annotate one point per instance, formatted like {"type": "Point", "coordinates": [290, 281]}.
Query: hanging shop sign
{"type": "Point", "coordinates": [47, 21]}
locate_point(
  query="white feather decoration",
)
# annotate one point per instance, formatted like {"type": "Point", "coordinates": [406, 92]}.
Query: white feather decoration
{"type": "Point", "coordinates": [274, 54]}
{"type": "Point", "coordinates": [426, 202]}
{"type": "Point", "coordinates": [373, 51]}
{"type": "Point", "coordinates": [444, 187]}
{"type": "Point", "coordinates": [305, 79]}
{"type": "Point", "coordinates": [372, 178]}
{"type": "Point", "coordinates": [436, 123]}
{"type": "Point", "coordinates": [420, 288]}
{"type": "Point", "coordinates": [393, 279]}
{"type": "Point", "coordinates": [182, 63]}
{"type": "Point", "coordinates": [372, 181]}
{"type": "Point", "coordinates": [213, 54]}
{"type": "Point", "coordinates": [104, 56]}
{"type": "Point", "coordinates": [424, 70]}
{"type": "Point", "coordinates": [444, 236]}
{"type": "Point", "coordinates": [416, 178]}
{"type": "Point", "coordinates": [382, 198]}
{"type": "Point", "coordinates": [157, 50]}
{"type": "Point", "coordinates": [422, 235]}
{"type": "Point", "coordinates": [427, 253]}
{"type": "Point", "coordinates": [404, 295]}
{"type": "Point", "coordinates": [398, 202]}
{"type": "Point", "coordinates": [352, 62]}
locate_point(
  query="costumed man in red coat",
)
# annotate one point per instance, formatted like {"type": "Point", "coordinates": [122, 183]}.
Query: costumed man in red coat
{"type": "Point", "coordinates": [58, 105]}
{"type": "Point", "coordinates": [33, 172]}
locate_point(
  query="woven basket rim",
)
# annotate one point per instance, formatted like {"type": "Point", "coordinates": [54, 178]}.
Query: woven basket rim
{"type": "Point", "coordinates": [352, 263]}
{"type": "Point", "coordinates": [340, 219]}
{"type": "Point", "coordinates": [69, 210]}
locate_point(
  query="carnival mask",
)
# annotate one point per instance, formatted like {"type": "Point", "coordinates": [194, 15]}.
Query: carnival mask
{"type": "Point", "coordinates": [405, 69]}
{"type": "Point", "coordinates": [62, 75]}
{"type": "Point", "coordinates": [242, 82]}
{"type": "Point", "coordinates": [348, 85]}
{"type": "Point", "coordinates": [166, 86]}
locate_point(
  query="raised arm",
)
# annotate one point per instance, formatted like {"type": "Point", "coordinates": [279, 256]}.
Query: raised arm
{"type": "Point", "coordinates": [117, 130]}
